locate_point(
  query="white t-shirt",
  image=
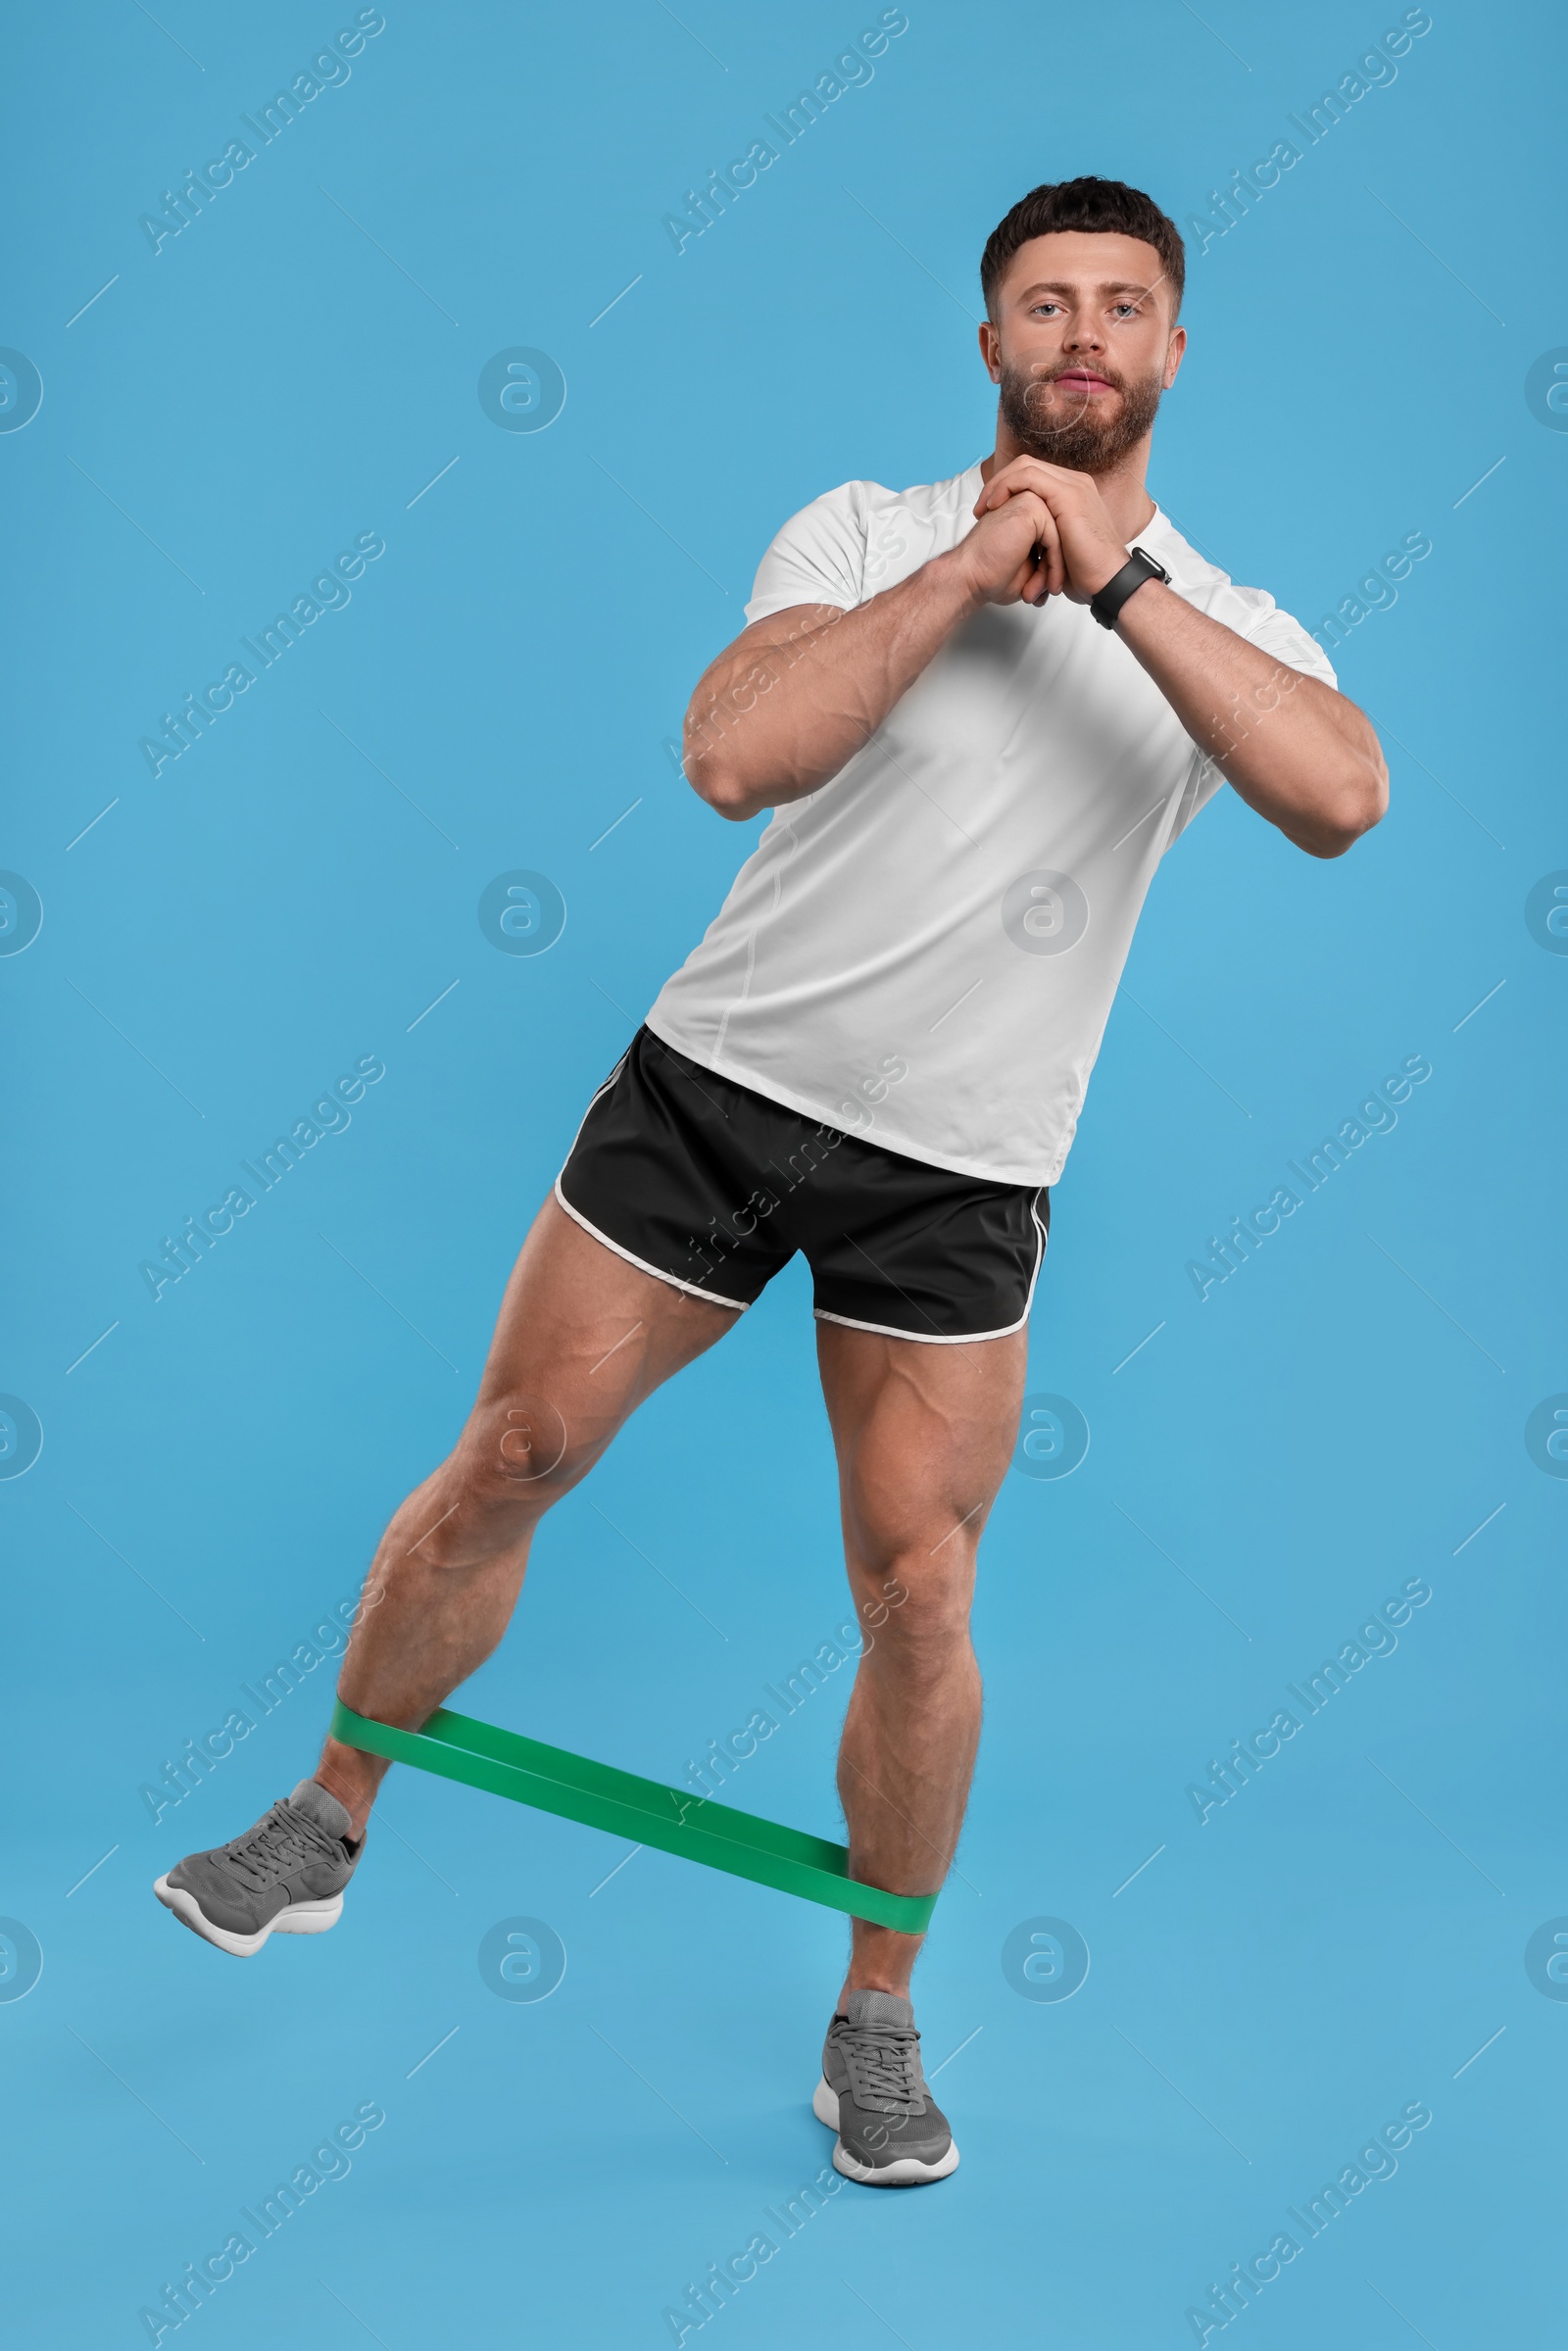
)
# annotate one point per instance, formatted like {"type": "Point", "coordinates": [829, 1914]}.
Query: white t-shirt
{"type": "Point", "coordinates": [925, 950]}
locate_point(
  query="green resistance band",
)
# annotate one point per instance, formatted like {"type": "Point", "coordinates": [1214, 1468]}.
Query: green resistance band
{"type": "Point", "coordinates": [506, 1764]}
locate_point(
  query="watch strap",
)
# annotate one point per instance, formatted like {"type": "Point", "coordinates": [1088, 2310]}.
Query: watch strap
{"type": "Point", "coordinates": [1139, 566]}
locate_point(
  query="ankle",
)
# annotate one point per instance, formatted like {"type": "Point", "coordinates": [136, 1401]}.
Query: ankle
{"type": "Point", "coordinates": [341, 1773]}
{"type": "Point", "coordinates": [872, 1978]}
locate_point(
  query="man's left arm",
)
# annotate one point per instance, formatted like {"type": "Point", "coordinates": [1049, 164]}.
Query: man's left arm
{"type": "Point", "coordinates": [1296, 750]}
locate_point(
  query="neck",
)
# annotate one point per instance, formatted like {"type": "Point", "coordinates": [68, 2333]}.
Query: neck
{"type": "Point", "coordinates": [1121, 486]}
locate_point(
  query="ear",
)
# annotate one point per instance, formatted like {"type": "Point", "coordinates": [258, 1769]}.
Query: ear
{"type": "Point", "coordinates": [991, 349]}
{"type": "Point", "coordinates": [1174, 350]}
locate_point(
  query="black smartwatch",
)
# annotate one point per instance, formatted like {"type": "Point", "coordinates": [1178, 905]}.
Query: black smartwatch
{"type": "Point", "coordinates": [1138, 568]}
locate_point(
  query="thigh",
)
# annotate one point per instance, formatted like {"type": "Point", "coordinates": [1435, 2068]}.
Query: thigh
{"type": "Point", "coordinates": [924, 1434]}
{"type": "Point", "coordinates": [582, 1337]}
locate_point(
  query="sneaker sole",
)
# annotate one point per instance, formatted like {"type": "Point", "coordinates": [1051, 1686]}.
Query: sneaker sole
{"type": "Point", "coordinates": [907, 2171]}
{"type": "Point", "coordinates": [298, 1918]}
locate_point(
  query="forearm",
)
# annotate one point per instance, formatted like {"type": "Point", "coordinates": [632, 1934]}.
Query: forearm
{"type": "Point", "coordinates": [1296, 751]}
{"type": "Point", "coordinates": [779, 714]}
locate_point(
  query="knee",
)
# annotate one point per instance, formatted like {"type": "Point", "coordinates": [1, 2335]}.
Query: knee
{"type": "Point", "coordinates": [518, 1451]}
{"type": "Point", "coordinates": [918, 1612]}
{"type": "Point", "coordinates": [921, 1535]}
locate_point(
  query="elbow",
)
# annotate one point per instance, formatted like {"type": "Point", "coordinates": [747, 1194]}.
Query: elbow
{"type": "Point", "coordinates": [716, 778]}
{"type": "Point", "coordinates": [1358, 802]}
{"type": "Point", "coordinates": [722, 790]}
{"type": "Point", "coordinates": [734, 810]}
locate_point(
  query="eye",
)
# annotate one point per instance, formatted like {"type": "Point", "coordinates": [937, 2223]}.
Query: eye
{"type": "Point", "coordinates": [1039, 306]}
{"type": "Point", "coordinates": [1125, 310]}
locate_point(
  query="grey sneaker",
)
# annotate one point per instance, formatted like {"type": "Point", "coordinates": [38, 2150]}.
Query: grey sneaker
{"type": "Point", "coordinates": [286, 1875]}
{"type": "Point", "coordinates": [891, 2132]}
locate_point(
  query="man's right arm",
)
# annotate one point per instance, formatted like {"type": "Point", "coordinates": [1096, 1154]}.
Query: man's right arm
{"type": "Point", "coordinates": [795, 697]}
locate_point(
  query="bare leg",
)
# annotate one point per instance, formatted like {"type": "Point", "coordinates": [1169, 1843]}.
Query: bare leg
{"type": "Point", "coordinates": [581, 1339]}
{"type": "Point", "coordinates": [924, 1435]}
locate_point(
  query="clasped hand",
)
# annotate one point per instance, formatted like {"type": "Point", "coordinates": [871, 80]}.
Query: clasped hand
{"type": "Point", "coordinates": [1042, 530]}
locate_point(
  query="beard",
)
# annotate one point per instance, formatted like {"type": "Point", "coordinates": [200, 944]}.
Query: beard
{"type": "Point", "coordinates": [1064, 430]}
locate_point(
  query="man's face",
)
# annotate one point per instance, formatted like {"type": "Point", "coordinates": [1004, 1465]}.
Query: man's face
{"type": "Point", "coordinates": [1082, 344]}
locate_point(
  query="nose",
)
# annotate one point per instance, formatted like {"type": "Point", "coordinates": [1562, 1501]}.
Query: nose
{"type": "Point", "coordinates": [1083, 332]}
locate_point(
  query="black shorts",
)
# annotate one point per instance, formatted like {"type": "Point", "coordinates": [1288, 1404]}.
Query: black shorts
{"type": "Point", "coordinates": [714, 1187]}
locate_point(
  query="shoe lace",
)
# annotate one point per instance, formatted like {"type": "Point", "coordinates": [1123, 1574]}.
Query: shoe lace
{"type": "Point", "coordinates": [277, 1844]}
{"type": "Point", "coordinates": [884, 2069]}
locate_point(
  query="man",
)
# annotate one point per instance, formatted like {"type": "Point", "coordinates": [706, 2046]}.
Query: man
{"type": "Point", "coordinates": [981, 711]}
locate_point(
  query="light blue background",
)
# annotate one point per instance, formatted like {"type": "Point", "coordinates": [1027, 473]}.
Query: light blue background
{"type": "Point", "coordinates": [1278, 1983]}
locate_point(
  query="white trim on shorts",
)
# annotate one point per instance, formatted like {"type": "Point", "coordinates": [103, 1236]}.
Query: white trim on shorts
{"type": "Point", "coordinates": [884, 1329]}
{"type": "Point", "coordinates": [737, 1306]}
{"type": "Point", "coordinates": [592, 1099]}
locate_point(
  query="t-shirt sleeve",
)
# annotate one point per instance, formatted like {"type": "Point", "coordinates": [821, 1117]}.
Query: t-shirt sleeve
{"type": "Point", "coordinates": [1262, 624]}
{"type": "Point", "coordinates": [817, 558]}
{"type": "Point", "coordinates": [1276, 632]}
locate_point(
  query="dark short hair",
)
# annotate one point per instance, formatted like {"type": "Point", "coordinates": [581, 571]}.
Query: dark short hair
{"type": "Point", "coordinates": [1099, 207]}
